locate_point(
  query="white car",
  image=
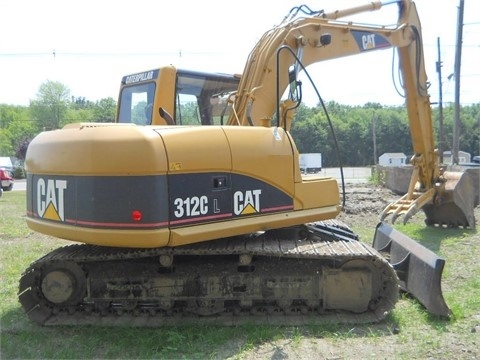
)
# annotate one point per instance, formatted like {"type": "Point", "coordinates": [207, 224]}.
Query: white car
{"type": "Point", "coordinates": [6, 173]}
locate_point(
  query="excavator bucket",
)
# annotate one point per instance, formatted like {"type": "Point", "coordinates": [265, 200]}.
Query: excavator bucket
{"type": "Point", "coordinates": [453, 206]}
{"type": "Point", "coordinates": [418, 268]}
{"type": "Point", "coordinates": [450, 203]}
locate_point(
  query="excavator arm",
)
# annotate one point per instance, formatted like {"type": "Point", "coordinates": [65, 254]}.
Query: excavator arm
{"type": "Point", "coordinates": [298, 42]}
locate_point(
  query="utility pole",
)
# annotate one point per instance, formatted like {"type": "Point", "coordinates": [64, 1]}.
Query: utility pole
{"type": "Point", "coordinates": [440, 104]}
{"type": "Point", "coordinates": [458, 58]}
{"type": "Point", "coordinates": [374, 140]}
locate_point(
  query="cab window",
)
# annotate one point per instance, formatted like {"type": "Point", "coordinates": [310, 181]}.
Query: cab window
{"type": "Point", "coordinates": [136, 104]}
{"type": "Point", "coordinates": [202, 99]}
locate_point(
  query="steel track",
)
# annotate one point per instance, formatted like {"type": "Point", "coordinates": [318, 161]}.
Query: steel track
{"type": "Point", "coordinates": [282, 277]}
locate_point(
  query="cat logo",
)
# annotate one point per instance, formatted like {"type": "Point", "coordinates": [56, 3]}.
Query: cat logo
{"type": "Point", "coordinates": [247, 202]}
{"type": "Point", "coordinates": [368, 41]}
{"type": "Point", "coordinates": [50, 199]}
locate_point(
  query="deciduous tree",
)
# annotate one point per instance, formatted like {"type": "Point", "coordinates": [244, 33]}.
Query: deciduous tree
{"type": "Point", "coordinates": [51, 105]}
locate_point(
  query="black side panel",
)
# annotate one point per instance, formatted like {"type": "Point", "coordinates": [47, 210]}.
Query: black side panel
{"type": "Point", "coordinates": [197, 198]}
{"type": "Point", "coordinates": [99, 201]}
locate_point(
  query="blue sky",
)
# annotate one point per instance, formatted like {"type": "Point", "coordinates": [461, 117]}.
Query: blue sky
{"type": "Point", "coordinates": [88, 46]}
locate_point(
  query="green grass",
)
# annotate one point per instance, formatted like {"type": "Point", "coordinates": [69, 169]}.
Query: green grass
{"type": "Point", "coordinates": [12, 214]}
{"type": "Point", "coordinates": [461, 274]}
{"type": "Point", "coordinates": [415, 333]}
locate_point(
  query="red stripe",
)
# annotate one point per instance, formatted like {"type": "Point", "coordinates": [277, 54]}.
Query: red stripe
{"type": "Point", "coordinates": [117, 225]}
{"type": "Point", "coordinates": [158, 224]}
{"type": "Point", "coordinates": [200, 218]}
{"type": "Point", "coordinates": [278, 208]}
{"type": "Point", "coordinates": [104, 224]}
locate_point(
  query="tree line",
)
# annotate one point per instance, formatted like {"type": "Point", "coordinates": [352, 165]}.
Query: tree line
{"type": "Point", "coordinates": [52, 108]}
{"type": "Point", "coordinates": [360, 131]}
{"type": "Point", "coordinates": [358, 128]}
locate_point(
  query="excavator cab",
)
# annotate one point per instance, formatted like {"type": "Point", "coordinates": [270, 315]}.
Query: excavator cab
{"type": "Point", "coordinates": [170, 96]}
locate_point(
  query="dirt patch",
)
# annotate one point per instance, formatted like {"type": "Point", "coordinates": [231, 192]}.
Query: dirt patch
{"type": "Point", "coordinates": [364, 204]}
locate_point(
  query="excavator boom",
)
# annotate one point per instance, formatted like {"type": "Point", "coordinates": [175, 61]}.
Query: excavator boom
{"type": "Point", "coordinates": [323, 36]}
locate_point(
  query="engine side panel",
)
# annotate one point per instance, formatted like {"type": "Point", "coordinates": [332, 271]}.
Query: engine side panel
{"type": "Point", "coordinates": [132, 186]}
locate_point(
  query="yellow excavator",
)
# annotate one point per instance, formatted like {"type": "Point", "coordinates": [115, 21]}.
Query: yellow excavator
{"type": "Point", "coordinates": [191, 207]}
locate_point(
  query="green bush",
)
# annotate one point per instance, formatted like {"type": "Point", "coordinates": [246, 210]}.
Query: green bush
{"type": "Point", "coordinates": [377, 177]}
{"type": "Point", "coordinates": [19, 173]}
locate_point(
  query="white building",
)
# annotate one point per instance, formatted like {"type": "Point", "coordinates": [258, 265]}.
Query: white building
{"type": "Point", "coordinates": [392, 159]}
{"type": "Point", "coordinates": [463, 157]}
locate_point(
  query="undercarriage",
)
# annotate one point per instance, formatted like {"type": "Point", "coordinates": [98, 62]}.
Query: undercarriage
{"type": "Point", "coordinates": [302, 275]}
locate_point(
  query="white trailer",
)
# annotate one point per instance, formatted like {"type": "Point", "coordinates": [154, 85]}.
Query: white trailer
{"type": "Point", "coordinates": [311, 163]}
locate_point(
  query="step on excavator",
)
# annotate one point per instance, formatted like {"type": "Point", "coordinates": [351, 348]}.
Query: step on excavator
{"type": "Point", "coordinates": [191, 207]}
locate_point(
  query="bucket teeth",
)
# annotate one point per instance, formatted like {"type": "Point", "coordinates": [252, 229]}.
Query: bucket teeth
{"type": "Point", "coordinates": [448, 205]}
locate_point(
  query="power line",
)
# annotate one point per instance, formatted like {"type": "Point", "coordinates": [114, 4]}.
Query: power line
{"type": "Point", "coordinates": [100, 54]}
